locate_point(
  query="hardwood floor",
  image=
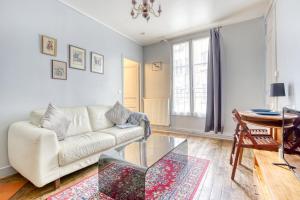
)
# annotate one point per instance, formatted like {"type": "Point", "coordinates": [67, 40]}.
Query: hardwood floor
{"type": "Point", "coordinates": [216, 185]}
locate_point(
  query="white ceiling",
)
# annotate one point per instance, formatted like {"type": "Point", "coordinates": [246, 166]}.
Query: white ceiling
{"type": "Point", "coordinates": [178, 17]}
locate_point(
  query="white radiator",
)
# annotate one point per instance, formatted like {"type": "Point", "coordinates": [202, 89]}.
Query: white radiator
{"type": "Point", "coordinates": [157, 111]}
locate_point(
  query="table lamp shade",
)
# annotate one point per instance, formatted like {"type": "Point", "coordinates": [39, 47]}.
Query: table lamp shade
{"type": "Point", "coordinates": [277, 90]}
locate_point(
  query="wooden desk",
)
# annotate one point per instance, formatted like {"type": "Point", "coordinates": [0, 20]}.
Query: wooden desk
{"type": "Point", "coordinates": [274, 123]}
{"type": "Point", "coordinates": [275, 182]}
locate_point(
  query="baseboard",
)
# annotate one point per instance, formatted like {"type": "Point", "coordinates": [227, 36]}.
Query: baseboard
{"type": "Point", "coordinates": [7, 171]}
{"type": "Point", "coordinates": [198, 133]}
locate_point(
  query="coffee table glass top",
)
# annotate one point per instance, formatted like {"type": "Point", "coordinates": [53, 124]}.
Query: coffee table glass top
{"type": "Point", "coordinates": [148, 152]}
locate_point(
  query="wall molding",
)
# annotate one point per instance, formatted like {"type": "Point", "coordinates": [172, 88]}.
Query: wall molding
{"type": "Point", "coordinates": [7, 171]}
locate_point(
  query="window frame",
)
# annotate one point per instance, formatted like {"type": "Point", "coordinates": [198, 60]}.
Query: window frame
{"type": "Point", "coordinates": [191, 69]}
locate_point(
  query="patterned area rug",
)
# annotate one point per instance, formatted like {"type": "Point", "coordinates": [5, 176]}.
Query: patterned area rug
{"type": "Point", "coordinates": [175, 176]}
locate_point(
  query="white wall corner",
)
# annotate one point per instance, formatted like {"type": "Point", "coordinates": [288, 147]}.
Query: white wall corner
{"type": "Point", "coordinates": [7, 171]}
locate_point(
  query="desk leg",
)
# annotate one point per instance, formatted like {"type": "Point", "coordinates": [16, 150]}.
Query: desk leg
{"type": "Point", "coordinates": [275, 134]}
{"type": "Point", "coordinates": [279, 135]}
{"type": "Point", "coordinates": [271, 132]}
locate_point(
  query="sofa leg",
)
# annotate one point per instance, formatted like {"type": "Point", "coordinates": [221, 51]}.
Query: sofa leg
{"type": "Point", "coordinates": [57, 183]}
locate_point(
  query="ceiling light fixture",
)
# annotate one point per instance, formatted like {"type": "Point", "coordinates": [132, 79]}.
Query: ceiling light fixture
{"type": "Point", "coordinates": [144, 8]}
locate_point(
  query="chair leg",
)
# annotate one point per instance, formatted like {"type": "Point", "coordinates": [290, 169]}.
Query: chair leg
{"type": "Point", "coordinates": [232, 150]}
{"type": "Point", "coordinates": [241, 156]}
{"type": "Point", "coordinates": [234, 142]}
{"type": "Point", "coordinates": [235, 161]}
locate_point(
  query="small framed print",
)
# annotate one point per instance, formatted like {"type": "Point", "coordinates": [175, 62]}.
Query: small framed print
{"type": "Point", "coordinates": [59, 70]}
{"type": "Point", "coordinates": [76, 57]}
{"type": "Point", "coordinates": [49, 45]}
{"type": "Point", "coordinates": [156, 66]}
{"type": "Point", "coordinates": [97, 63]}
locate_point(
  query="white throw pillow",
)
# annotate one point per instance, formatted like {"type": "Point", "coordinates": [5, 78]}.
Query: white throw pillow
{"type": "Point", "coordinates": [56, 120]}
{"type": "Point", "coordinates": [118, 114]}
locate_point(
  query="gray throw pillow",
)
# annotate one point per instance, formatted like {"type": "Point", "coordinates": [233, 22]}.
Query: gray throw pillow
{"type": "Point", "coordinates": [118, 114]}
{"type": "Point", "coordinates": [56, 120]}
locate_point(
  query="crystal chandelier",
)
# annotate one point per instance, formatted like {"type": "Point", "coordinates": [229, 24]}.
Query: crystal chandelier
{"type": "Point", "coordinates": [144, 8]}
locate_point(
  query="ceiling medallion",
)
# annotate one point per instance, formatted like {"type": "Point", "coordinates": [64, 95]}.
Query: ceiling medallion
{"type": "Point", "coordinates": [144, 8]}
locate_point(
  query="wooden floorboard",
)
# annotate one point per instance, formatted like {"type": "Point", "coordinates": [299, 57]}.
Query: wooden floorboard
{"type": "Point", "coordinates": [216, 185]}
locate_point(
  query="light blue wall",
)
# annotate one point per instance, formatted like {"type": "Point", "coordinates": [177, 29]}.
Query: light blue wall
{"type": "Point", "coordinates": [25, 82]}
{"type": "Point", "coordinates": [288, 51]}
{"type": "Point", "coordinates": [244, 68]}
{"type": "Point", "coordinates": [243, 75]}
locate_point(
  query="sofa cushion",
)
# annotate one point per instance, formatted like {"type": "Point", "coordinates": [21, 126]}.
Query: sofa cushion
{"type": "Point", "coordinates": [56, 120]}
{"type": "Point", "coordinates": [80, 122]}
{"type": "Point", "coordinates": [118, 114]}
{"type": "Point", "coordinates": [81, 146]}
{"type": "Point", "coordinates": [126, 134]}
{"type": "Point", "coordinates": [36, 117]}
{"type": "Point", "coordinates": [97, 117]}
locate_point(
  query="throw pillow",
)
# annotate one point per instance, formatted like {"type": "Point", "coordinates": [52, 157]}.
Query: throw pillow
{"type": "Point", "coordinates": [118, 114]}
{"type": "Point", "coordinates": [56, 120]}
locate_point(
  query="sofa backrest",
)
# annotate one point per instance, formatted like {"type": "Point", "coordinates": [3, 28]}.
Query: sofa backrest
{"type": "Point", "coordinates": [80, 121]}
{"type": "Point", "coordinates": [97, 117]}
{"type": "Point", "coordinates": [79, 116]}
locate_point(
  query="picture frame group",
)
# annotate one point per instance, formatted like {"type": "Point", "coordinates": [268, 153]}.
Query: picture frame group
{"type": "Point", "coordinates": [77, 59]}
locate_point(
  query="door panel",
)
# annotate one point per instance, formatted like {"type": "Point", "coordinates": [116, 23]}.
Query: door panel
{"type": "Point", "coordinates": [131, 86]}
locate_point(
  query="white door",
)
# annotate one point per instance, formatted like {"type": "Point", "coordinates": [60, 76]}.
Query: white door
{"type": "Point", "coordinates": [131, 85]}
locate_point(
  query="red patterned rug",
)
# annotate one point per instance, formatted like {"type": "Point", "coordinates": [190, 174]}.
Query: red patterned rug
{"type": "Point", "coordinates": [175, 176]}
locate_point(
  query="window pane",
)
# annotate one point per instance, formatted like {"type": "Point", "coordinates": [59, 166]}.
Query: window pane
{"type": "Point", "coordinates": [200, 61]}
{"type": "Point", "coordinates": [181, 79]}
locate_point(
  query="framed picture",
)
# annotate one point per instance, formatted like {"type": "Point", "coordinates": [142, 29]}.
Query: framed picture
{"type": "Point", "coordinates": [59, 70]}
{"type": "Point", "coordinates": [156, 66]}
{"type": "Point", "coordinates": [49, 45]}
{"type": "Point", "coordinates": [76, 57]}
{"type": "Point", "coordinates": [97, 63]}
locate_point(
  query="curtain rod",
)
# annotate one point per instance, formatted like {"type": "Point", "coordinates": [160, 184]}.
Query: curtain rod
{"type": "Point", "coordinates": [190, 34]}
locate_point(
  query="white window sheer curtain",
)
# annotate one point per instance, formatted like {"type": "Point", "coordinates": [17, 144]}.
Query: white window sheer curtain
{"type": "Point", "coordinates": [190, 77]}
{"type": "Point", "coordinates": [200, 61]}
{"type": "Point", "coordinates": [181, 79]}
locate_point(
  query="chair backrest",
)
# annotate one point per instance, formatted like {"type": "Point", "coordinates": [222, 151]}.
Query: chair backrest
{"type": "Point", "coordinates": [242, 127]}
{"type": "Point", "coordinates": [294, 131]}
{"type": "Point", "coordinates": [294, 112]}
{"type": "Point", "coordinates": [238, 119]}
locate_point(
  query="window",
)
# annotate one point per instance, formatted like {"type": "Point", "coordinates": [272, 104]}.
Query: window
{"type": "Point", "coordinates": [190, 61]}
{"type": "Point", "coordinates": [181, 79]}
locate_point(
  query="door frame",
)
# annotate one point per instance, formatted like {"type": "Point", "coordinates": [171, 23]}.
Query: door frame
{"type": "Point", "coordinates": [140, 80]}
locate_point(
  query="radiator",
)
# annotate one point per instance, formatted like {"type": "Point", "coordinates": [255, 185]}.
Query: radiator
{"type": "Point", "coordinates": [157, 111]}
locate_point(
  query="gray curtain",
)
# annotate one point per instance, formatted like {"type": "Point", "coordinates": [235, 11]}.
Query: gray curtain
{"type": "Point", "coordinates": [213, 110]}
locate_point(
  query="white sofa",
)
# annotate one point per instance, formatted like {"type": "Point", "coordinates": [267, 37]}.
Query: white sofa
{"type": "Point", "coordinates": [37, 154]}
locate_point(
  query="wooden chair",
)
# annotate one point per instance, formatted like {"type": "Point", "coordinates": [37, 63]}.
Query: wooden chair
{"type": "Point", "coordinates": [248, 138]}
{"type": "Point", "coordinates": [291, 137]}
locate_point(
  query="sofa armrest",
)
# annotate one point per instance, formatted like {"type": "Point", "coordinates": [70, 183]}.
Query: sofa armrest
{"type": "Point", "coordinates": [142, 124]}
{"type": "Point", "coordinates": [33, 152]}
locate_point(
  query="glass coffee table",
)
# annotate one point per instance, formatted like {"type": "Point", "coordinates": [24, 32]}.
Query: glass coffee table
{"type": "Point", "coordinates": [127, 172]}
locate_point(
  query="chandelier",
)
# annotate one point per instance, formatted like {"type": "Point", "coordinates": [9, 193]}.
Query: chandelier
{"type": "Point", "coordinates": [144, 8]}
